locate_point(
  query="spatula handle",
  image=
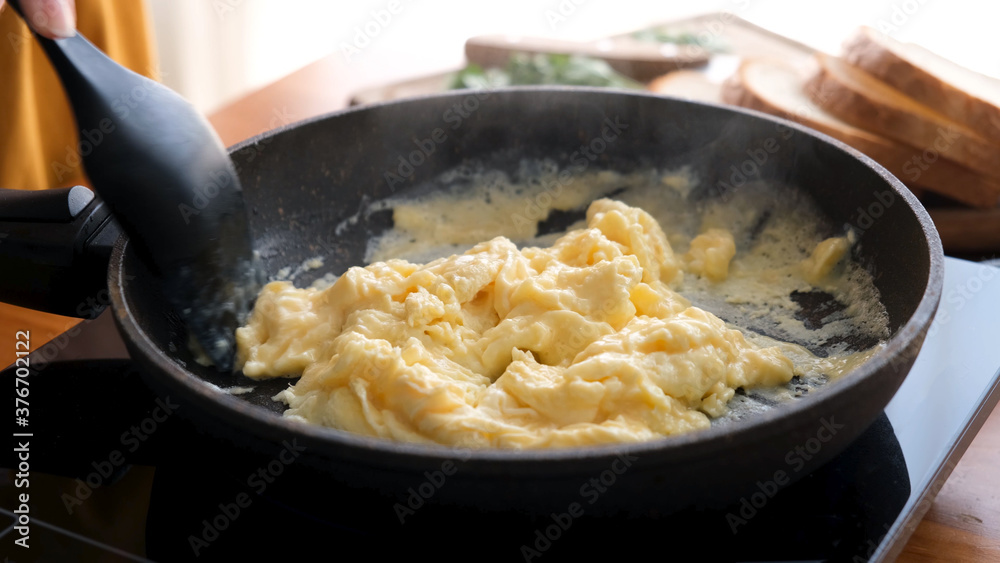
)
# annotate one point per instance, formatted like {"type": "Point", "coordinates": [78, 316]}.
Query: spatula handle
{"type": "Point", "coordinates": [124, 112]}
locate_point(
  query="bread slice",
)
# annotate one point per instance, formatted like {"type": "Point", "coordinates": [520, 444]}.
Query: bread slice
{"type": "Point", "coordinates": [777, 88]}
{"type": "Point", "coordinates": [967, 230]}
{"type": "Point", "coordinates": [866, 102]}
{"type": "Point", "coordinates": [961, 94]}
{"type": "Point", "coordinates": [688, 85]}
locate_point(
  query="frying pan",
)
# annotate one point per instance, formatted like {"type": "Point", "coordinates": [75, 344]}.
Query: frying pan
{"type": "Point", "coordinates": [303, 180]}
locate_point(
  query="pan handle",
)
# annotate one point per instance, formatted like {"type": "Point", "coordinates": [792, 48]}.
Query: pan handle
{"type": "Point", "coordinates": [54, 250]}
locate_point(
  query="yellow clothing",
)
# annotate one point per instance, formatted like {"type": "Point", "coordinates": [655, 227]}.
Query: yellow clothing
{"type": "Point", "coordinates": [38, 136]}
{"type": "Point", "coordinates": [38, 141]}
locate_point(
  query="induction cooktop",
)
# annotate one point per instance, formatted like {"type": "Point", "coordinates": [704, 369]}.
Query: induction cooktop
{"type": "Point", "coordinates": [862, 506]}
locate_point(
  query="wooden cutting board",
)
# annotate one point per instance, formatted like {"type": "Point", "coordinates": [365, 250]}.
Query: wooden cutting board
{"type": "Point", "coordinates": [735, 37]}
{"type": "Point", "coordinates": [969, 233]}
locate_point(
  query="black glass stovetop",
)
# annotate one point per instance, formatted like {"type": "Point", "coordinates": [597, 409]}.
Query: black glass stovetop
{"type": "Point", "coordinates": [840, 511]}
{"type": "Point", "coordinates": [860, 507]}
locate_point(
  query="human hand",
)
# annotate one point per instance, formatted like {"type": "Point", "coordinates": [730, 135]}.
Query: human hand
{"type": "Point", "coordinates": [54, 19]}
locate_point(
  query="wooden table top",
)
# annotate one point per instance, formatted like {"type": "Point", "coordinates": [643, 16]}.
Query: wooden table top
{"type": "Point", "coordinates": [963, 524]}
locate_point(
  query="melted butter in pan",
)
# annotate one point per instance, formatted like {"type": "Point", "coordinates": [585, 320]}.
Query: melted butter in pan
{"type": "Point", "coordinates": [539, 338]}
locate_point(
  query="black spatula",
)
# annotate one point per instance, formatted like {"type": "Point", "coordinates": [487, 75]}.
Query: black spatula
{"type": "Point", "coordinates": [170, 183]}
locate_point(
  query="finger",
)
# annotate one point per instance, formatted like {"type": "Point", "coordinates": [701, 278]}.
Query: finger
{"type": "Point", "coordinates": [54, 19]}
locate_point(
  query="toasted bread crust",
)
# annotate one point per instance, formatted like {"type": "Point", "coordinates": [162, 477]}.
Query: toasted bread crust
{"type": "Point", "coordinates": [738, 91]}
{"type": "Point", "coordinates": [881, 57]}
{"type": "Point", "coordinates": [863, 101]}
{"type": "Point", "coordinates": [968, 230]}
{"type": "Point", "coordinates": [938, 174]}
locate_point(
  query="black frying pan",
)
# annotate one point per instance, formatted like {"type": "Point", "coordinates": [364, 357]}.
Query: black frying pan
{"type": "Point", "coordinates": [302, 180]}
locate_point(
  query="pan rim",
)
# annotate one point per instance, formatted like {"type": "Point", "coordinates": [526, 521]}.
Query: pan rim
{"type": "Point", "coordinates": [688, 444]}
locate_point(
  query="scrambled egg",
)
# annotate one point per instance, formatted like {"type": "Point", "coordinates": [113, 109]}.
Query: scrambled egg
{"type": "Point", "coordinates": [824, 257]}
{"type": "Point", "coordinates": [710, 254]}
{"type": "Point", "coordinates": [581, 343]}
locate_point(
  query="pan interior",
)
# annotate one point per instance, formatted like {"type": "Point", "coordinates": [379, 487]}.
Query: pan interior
{"type": "Point", "coordinates": [303, 182]}
{"type": "Point", "coordinates": [840, 321]}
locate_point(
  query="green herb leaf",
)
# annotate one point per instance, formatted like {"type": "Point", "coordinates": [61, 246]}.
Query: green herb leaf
{"type": "Point", "coordinates": [524, 69]}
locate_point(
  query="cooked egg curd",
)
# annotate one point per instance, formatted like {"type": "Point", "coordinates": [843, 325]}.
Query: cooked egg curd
{"type": "Point", "coordinates": [584, 342]}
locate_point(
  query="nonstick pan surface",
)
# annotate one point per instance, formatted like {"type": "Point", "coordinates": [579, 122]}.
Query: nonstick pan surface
{"type": "Point", "coordinates": [303, 180]}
